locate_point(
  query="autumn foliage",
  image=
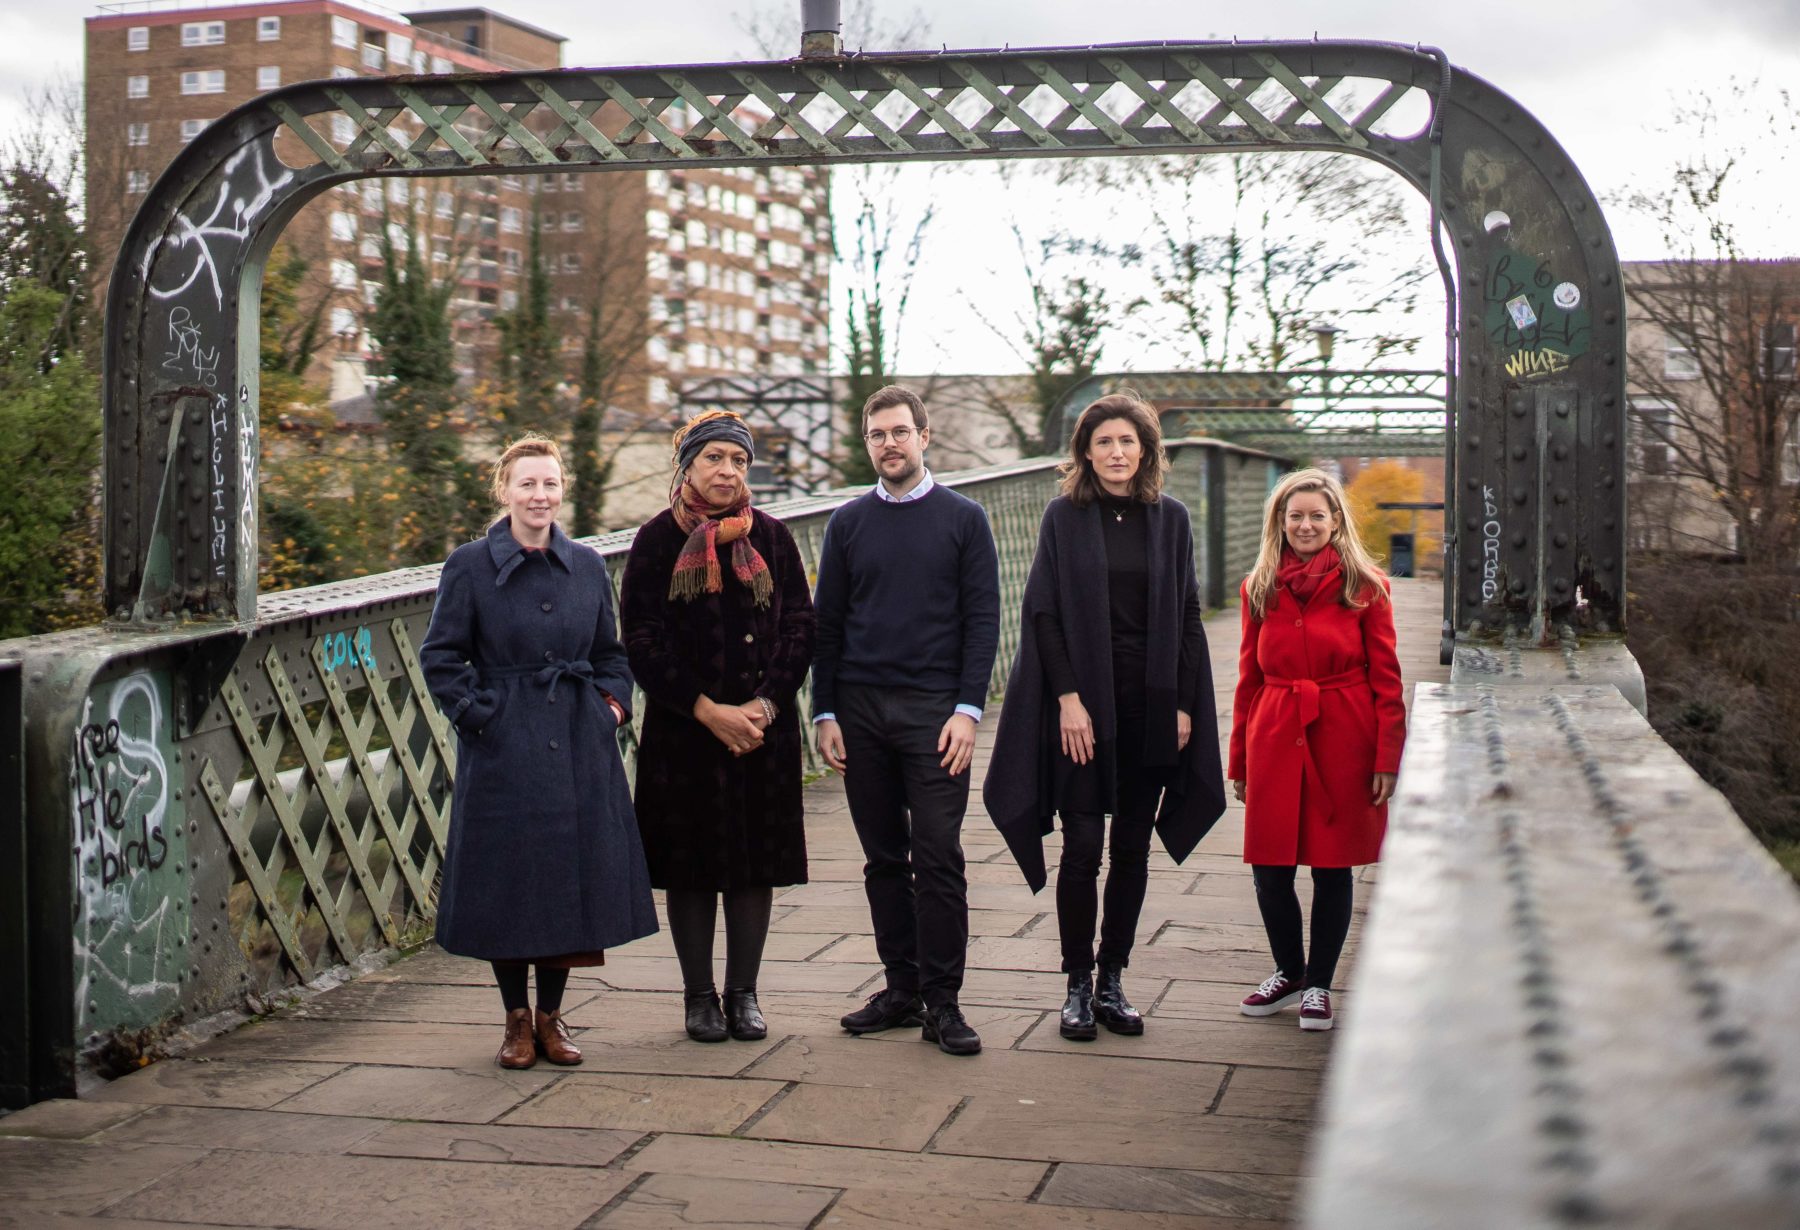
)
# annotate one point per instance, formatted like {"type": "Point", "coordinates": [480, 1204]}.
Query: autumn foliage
{"type": "Point", "coordinates": [1390, 482]}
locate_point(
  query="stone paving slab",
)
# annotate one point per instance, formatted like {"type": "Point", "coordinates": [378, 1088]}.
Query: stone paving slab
{"type": "Point", "coordinates": [459, 1142]}
{"type": "Point", "coordinates": [378, 1103]}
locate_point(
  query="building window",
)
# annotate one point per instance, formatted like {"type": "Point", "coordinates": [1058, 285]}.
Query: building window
{"type": "Point", "coordinates": [344, 33]}
{"type": "Point", "coordinates": [1679, 360]}
{"type": "Point", "coordinates": [1652, 437]}
{"type": "Point", "coordinates": [1775, 351]}
{"type": "Point", "coordinates": [571, 262]}
{"type": "Point", "coordinates": [202, 33]}
{"type": "Point", "coordinates": [509, 258]}
{"type": "Point", "coordinates": [343, 128]}
{"type": "Point", "coordinates": [268, 29]}
{"type": "Point", "coordinates": [659, 391]}
{"type": "Point", "coordinates": [509, 299]}
{"type": "Point", "coordinates": [137, 38]}
{"type": "Point", "coordinates": [268, 77]}
{"type": "Point", "coordinates": [440, 65]}
{"type": "Point", "coordinates": [344, 275]}
{"type": "Point", "coordinates": [572, 182]}
{"type": "Point", "coordinates": [343, 226]}
{"type": "Point", "coordinates": [137, 87]}
{"type": "Point", "coordinates": [571, 221]}
{"type": "Point", "coordinates": [399, 191]}
{"type": "Point", "coordinates": [343, 321]}
{"type": "Point", "coordinates": [206, 81]}
{"type": "Point", "coordinates": [511, 220]}
{"type": "Point", "coordinates": [137, 134]}
{"type": "Point", "coordinates": [373, 57]}
{"type": "Point", "coordinates": [137, 181]}
{"type": "Point", "coordinates": [399, 48]}
{"type": "Point", "coordinates": [342, 70]}
{"type": "Point", "coordinates": [191, 129]}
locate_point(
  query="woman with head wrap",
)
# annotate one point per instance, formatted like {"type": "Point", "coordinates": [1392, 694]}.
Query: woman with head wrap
{"type": "Point", "coordinates": [718, 625]}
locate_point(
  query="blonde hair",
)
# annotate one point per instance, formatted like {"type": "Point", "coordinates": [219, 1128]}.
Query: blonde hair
{"type": "Point", "coordinates": [1361, 572]}
{"type": "Point", "coordinates": [531, 444]}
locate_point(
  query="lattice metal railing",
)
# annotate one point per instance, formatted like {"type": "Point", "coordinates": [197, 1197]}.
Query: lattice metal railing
{"type": "Point", "coordinates": [1127, 98]}
{"type": "Point", "coordinates": [326, 767]}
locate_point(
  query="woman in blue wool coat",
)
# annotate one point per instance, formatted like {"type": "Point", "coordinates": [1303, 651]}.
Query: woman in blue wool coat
{"type": "Point", "coordinates": [543, 865]}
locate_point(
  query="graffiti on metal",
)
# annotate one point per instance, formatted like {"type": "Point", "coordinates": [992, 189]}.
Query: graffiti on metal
{"type": "Point", "coordinates": [1537, 323]}
{"type": "Point", "coordinates": [341, 649]}
{"type": "Point", "coordinates": [130, 875]}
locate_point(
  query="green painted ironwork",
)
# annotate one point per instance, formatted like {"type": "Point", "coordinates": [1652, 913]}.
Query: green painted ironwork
{"type": "Point", "coordinates": [181, 392]}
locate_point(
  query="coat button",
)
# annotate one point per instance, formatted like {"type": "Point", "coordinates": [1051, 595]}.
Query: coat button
{"type": "Point", "coordinates": [749, 638]}
{"type": "Point", "coordinates": [549, 606]}
{"type": "Point", "coordinates": [553, 745]}
{"type": "Point", "coordinates": [548, 656]}
{"type": "Point", "coordinates": [1300, 742]}
{"type": "Point", "coordinates": [1299, 623]}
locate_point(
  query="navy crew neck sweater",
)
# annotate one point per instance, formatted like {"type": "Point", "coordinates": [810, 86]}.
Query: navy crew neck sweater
{"type": "Point", "coordinates": [908, 596]}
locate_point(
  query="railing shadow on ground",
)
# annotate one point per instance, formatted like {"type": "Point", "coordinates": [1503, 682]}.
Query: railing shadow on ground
{"type": "Point", "coordinates": [215, 814]}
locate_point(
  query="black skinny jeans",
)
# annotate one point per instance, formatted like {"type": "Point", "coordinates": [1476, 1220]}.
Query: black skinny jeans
{"type": "Point", "coordinates": [1128, 870]}
{"type": "Point", "coordinates": [1333, 889]}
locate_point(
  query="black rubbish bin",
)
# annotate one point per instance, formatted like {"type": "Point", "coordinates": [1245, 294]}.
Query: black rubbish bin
{"type": "Point", "coordinates": [1401, 549]}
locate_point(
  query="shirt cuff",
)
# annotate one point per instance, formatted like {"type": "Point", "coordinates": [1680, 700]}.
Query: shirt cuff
{"type": "Point", "coordinates": [969, 711]}
{"type": "Point", "coordinates": [824, 717]}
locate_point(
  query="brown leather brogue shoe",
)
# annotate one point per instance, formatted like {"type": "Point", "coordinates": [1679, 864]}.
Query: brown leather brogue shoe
{"type": "Point", "coordinates": [553, 1041]}
{"type": "Point", "coordinates": [519, 1050]}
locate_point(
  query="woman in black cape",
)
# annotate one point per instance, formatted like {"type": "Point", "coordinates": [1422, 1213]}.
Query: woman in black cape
{"type": "Point", "coordinates": [1109, 709]}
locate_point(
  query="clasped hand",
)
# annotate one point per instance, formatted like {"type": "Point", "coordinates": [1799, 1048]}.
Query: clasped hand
{"type": "Point", "coordinates": [738, 727]}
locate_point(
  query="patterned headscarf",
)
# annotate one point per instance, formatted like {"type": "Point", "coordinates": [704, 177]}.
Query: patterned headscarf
{"type": "Point", "coordinates": [697, 567]}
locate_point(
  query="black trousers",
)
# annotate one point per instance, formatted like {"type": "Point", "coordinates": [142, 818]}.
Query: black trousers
{"type": "Point", "coordinates": [1333, 889]}
{"type": "Point", "coordinates": [1127, 872]}
{"type": "Point", "coordinates": [908, 813]}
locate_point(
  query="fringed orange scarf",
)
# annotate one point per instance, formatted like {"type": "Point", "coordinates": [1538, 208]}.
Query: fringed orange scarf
{"type": "Point", "coordinates": [697, 567]}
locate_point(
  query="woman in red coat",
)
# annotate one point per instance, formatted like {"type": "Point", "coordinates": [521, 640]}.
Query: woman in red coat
{"type": "Point", "coordinates": [1317, 727]}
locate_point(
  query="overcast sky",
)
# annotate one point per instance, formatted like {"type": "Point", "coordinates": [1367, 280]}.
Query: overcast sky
{"type": "Point", "coordinates": [1598, 73]}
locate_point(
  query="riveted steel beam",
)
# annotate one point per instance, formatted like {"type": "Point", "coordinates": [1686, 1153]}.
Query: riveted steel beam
{"type": "Point", "coordinates": [1534, 275]}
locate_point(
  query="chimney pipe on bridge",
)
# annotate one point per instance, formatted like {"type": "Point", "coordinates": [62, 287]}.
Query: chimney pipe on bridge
{"type": "Point", "coordinates": [821, 30]}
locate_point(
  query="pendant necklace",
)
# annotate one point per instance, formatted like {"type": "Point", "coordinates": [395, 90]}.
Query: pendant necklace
{"type": "Point", "coordinates": [1118, 514]}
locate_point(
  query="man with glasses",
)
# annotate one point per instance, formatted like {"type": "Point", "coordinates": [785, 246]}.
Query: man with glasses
{"type": "Point", "coordinates": [908, 603]}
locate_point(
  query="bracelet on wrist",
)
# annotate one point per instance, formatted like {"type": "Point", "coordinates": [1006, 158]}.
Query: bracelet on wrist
{"type": "Point", "coordinates": [768, 708]}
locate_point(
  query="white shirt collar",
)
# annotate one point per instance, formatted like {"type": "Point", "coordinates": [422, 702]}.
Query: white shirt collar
{"type": "Point", "coordinates": [917, 493]}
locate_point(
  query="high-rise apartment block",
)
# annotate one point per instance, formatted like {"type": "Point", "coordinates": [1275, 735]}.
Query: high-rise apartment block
{"type": "Point", "coordinates": [692, 272]}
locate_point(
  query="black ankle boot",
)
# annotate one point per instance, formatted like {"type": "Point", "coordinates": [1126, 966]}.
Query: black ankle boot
{"type": "Point", "coordinates": [1078, 1011]}
{"type": "Point", "coordinates": [743, 1017]}
{"type": "Point", "coordinates": [1111, 1007]}
{"type": "Point", "coordinates": [705, 1022]}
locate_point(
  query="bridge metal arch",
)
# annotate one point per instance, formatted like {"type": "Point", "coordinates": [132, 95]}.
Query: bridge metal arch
{"type": "Point", "coordinates": [1537, 345]}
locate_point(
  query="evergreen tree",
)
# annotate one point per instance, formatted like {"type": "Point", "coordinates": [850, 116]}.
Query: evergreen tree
{"type": "Point", "coordinates": [49, 448]}
{"type": "Point", "coordinates": [418, 403]}
{"type": "Point", "coordinates": [528, 349]}
{"type": "Point", "coordinates": [589, 469]}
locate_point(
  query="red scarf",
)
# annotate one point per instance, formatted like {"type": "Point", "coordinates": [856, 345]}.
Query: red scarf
{"type": "Point", "coordinates": [697, 567]}
{"type": "Point", "coordinates": [1302, 578]}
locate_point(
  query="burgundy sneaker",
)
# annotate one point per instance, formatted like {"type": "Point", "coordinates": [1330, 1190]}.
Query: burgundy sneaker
{"type": "Point", "coordinates": [1276, 993]}
{"type": "Point", "coordinates": [1315, 1008]}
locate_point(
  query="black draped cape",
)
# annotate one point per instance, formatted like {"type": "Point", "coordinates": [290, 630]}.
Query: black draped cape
{"type": "Point", "coordinates": [1068, 579]}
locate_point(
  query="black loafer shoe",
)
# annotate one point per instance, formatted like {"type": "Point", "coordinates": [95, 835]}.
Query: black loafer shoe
{"type": "Point", "coordinates": [945, 1026]}
{"type": "Point", "coordinates": [705, 1022]}
{"type": "Point", "coordinates": [743, 1016]}
{"type": "Point", "coordinates": [885, 1010]}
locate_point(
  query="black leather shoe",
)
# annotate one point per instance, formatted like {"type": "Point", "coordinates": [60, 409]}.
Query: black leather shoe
{"type": "Point", "coordinates": [1111, 1008]}
{"type": "Point", "coordinates": [705, 1022]}
{"type": "Point", "coordinates": [743, 1017]}
{"type": "Point", "coordinates": [885, 1010]}
{"type": "Point", "coordinates": [1078, 1010]}
{"type": "Point", "coordinates": [945, 1026]}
